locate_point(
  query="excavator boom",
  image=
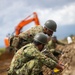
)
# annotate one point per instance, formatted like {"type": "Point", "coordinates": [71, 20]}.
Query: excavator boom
{"type": "Point", "coordinates": [27, 21]}
{"type": "Point", "coordinates": [21, 25]}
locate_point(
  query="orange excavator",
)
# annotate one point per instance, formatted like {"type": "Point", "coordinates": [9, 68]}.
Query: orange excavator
{"type": "Point", "coordinates": [23, 23]}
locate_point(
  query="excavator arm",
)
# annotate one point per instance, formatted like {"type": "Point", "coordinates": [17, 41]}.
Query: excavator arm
{"type": "Point", "coordinates": [27, 21]}
{"type": "Point", "coordinates": [21, 25]}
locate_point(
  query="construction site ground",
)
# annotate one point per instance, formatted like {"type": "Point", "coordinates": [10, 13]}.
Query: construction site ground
{"type": "Point", "coordinates": [67, 58]}
{"type": "Point", "coordinates": [5, 60]}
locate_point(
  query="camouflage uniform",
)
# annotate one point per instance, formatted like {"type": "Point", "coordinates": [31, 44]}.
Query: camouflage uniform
{"type": "Point", "coordinates": [29, 61]}
{"type": "Point", "coordinates": [25, 37]}
{"type": "Point", "coordinates": [49, 54]}
{"type": "Point", "coordinates": [52, 47]}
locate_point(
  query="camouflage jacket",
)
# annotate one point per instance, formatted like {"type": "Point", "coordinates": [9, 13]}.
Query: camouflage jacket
{"type": "Point", "coordinates": [29, 61]}
{"type": "Point", "coordinates": [49, 54]}
{"type": "Point", "coordinates": [25, 37]}
{"type": "Point", "coordinates": [52, 45]}
{"type": "Point", "coordinates": [51, 49]}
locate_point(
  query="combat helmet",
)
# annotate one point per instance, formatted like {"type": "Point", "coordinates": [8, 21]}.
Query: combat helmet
{"type": "Point", "coordinates": [54, 37]}
{"type": "Point", "coordinates": [41, 38]}
{"type": "Point", "coordinates": [51, 25]}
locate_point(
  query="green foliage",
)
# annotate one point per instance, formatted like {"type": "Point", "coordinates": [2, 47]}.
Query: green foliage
{"type": "Point", "coordinates": [2, 50]}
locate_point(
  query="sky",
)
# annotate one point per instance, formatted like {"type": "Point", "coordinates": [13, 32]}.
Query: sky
{"type": "Point", "coordinates": [12, 12]}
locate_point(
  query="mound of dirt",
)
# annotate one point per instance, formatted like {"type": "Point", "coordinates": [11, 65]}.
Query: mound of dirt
{"type": "Point", "coordinates": [68, 59]}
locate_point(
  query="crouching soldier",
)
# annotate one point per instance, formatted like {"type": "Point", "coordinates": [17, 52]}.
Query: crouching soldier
{"type": "Point", "coordinates": [29, 60]}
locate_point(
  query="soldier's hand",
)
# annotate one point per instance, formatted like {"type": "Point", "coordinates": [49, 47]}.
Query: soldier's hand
{"type": "Point", "coordinates": [60, 63]}
{"type": "Point", "coordinates": [59, 67]}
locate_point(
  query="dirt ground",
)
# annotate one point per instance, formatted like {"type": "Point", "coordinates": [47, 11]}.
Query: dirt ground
{"type": "Point", "coordinates": [67, 58]}
{"type": "Point", "coordinates": [5, 60]}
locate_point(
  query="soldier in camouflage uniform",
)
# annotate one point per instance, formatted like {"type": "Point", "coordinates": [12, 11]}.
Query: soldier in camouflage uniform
{"type": "Point", "coordinates": [53, 42]}
{"type": "Point", "coordinates": [16, 42]}
{"type": "Point", "coordinates": [29, 60]}
{"type": "Point", "coordinates": [52, 46]}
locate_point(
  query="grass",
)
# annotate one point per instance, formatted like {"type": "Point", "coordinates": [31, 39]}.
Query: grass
{"type": "Point", "coordinates": [2, 50]}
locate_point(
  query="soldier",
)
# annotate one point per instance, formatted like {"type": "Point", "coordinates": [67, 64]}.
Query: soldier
{"type": "Point", "coordinates": [29, 60]}
{"type": "Point", "coordinates": [55, 42]}
{"type": "Point", "coordinates": [26, 37]}
{"type": "Point", "coordinates": [52, 46]}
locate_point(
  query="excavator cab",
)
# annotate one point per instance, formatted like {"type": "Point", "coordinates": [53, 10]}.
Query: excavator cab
{"type": "Point", "coordinates": [23, 23]}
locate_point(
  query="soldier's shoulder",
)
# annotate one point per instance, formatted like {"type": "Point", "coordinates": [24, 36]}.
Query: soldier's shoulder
{"type": "Point", "coordinates": [29, 48]}
{"type": "Point", "coordinates": [30, 45]}
{"type": "Point", "coordinates": [39, 27]}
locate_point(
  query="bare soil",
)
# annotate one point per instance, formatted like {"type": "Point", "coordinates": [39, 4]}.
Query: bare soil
{"type": "Point", "coordinates": [5, 60]}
